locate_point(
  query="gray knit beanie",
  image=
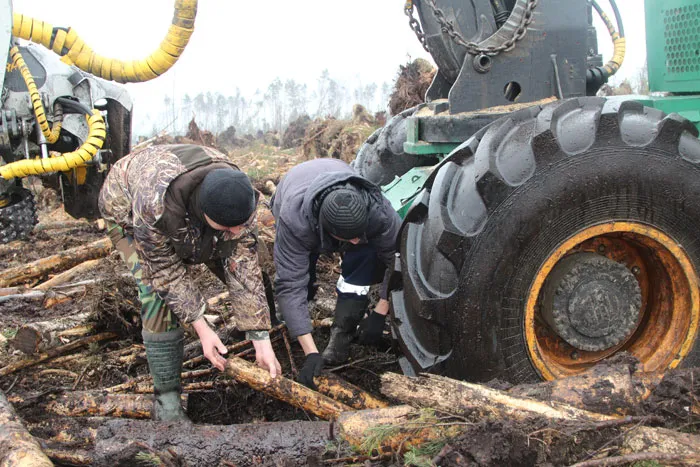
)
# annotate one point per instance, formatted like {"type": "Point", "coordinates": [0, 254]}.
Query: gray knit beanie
{"type": "Point", "coordinates": [345, 212]}
{"type": "Point", "coordinates": [227, 197]}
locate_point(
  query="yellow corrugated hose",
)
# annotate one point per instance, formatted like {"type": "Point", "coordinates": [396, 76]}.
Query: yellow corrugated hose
{"type": "Point", "coordinates": [74, 51]}
{"type": "Point", "coordinates": [619, 45]}
{"type": "Point", "coordinates": [62, 162]}
{"type": "Point", "coordinates": [52, 133]}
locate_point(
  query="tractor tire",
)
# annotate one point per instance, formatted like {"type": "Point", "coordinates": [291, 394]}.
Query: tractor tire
{"type": "Point", "coordinates": [557, 237]}
{"type": "Point", "coordinates": [382, 158]}
{"type": "Point", "coordinates": [18, 219]}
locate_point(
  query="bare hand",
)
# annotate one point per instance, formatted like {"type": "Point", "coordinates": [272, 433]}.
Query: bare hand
{"type": "Point", "coordinates": [265, 357]}
{"type": "Point", "coordinates": [212, 346]}
{"type": "Point", "coordinates": [382, 307]}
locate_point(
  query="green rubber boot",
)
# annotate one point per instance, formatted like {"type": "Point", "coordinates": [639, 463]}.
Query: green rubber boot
{"type": "Point", "coordinates": [348, 314]}
{"type": "Point", "coordinates": [164, 352]}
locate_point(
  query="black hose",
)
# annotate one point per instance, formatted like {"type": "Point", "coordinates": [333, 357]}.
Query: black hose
{"type": "Point", "coordinates": [75, 107]}
{"type": "Point", "coordinates": [618, 18]}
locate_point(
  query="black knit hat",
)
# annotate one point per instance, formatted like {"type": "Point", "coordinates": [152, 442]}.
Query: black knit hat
{"type": "Point", "coordinates": [227, 197]}
{"type": "Point", "coordinates": [345, 212]}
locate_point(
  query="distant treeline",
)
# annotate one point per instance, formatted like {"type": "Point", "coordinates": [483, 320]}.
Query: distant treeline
{"type": "Point", "coordinates": [270, 110]}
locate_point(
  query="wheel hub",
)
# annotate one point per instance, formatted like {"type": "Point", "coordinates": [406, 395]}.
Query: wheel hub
{"type": "Point", "coordinates": [592, 302]}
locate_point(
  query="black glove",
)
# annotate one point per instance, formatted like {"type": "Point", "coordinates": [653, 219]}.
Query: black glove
{"type": "Point", "coordinates": [371, 329]}
{"type": "Point", "coordinates": [312, 367]}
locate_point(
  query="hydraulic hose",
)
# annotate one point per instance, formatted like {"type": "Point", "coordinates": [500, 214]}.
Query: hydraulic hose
{"type": "Point", "coordinates": [63, 162]}
{"type": "Point", "coordinates": [67, 44]}
{"type": "Point", "coordinates": [619, 41]}
{"type": "Point", "coordinates": [50, 133]}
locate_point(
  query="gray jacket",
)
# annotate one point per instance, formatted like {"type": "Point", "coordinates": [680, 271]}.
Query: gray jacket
{"type": "Point", "coordinates": [299, 232]}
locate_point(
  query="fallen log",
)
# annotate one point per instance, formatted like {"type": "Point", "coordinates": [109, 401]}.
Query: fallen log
{"type": "Point", "coordinates": [44, 226]}
{"type": "Point", "coordinates": [459, 397]}
{"type": "Point", "coordinates": [69, 457]}
{"type": "Point", "coordinates": [33, 337]}
{"type": "Point", "coordinates": [284, 389]}
{"type": "Point", "coordinates": [67, 276]}
{"type": "Point", "coordinates": [17, 446]}
{"type": "Point", "coordinates": [103, 404]}
{"type": "Point", "coordinates": [48, 296]}
{"type": "Point", "coordinates": [54, 352]}
{"type": "Point", "coordinates": [55, 263]}
{"type": "Point", "coordinates": [610, 388]}
{"type": "Point", "coordinates": [337, 388]}
{"type": "Point", "coordinates": [396, 428]}
{"type": "Point", "coordinates": [661, 440]}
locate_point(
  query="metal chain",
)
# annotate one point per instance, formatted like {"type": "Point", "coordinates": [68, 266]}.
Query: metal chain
{"type": "Point", "coordinates": [472, 48]}
{"type": "Point", "coordinates": [414, 24]}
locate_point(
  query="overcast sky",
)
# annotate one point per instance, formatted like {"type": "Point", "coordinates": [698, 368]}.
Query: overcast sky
{"type": "Point", "coordinates": [247, 44]}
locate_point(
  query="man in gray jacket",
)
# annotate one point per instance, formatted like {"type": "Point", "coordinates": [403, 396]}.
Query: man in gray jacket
{"type": "Point", "coordinates": [323, 206]}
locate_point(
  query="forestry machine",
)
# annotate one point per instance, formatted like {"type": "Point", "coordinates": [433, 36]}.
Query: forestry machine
{"type": "Point", "coordinates": [545, 229]}
{"type": "Point", "coordinates": [60, 116]}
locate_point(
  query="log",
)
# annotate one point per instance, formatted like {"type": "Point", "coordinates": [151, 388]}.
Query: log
{"type": "Point", "coordinates": [396, 428]}
{"type": "Point", "coordinates": [67, 276]}
{"type": "Point", "coordinates": [69, 457]}
{"type": "Point", "coordinates": [56, 351]}
{"type": "Point", "coordinates": [662, 440]}
{"type": "Point", "coordinates": [284, 389]}
{"type": "Point", "coordinates": [103, 404]}
{"type": "Point", "coordinates": [608, 388]}
{"type": "Point", "coordinates": [48, 296]}
{"type": "Point", "coordinates": [337, 388]}
{"type": "Point", "coordinates": [17, 446]}
{"type": "Point", "coordinates": [55, 263]}
{"type": "Point", "coordinates": [458, 397]}
{"type": "Point", "coordinates": [33, 337]}
{"type": "Point", "coordinates": [44, 226]}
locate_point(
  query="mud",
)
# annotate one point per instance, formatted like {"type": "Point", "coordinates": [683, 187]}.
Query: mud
{"type": "Point", "coordinates": [287, 443]}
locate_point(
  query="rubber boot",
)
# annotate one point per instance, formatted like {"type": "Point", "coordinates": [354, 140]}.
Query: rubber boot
{"type": "Point", "coordinates": [348, 313]}
{"type": "Point", "coordinates": [164, 352]}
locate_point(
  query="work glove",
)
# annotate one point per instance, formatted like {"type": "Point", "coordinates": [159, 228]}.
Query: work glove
{"type": "Point", "coordinates": [371, 329]}
{"type": "Point", "coordinates": [312, 367]}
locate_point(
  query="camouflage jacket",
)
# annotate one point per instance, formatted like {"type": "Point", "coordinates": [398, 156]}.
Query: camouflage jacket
{"type": "Point", "coordinates": [138, 196]}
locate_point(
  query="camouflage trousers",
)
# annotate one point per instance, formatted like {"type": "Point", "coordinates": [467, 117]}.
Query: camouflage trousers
{"type": "Point", "coordinates": [156, 317]}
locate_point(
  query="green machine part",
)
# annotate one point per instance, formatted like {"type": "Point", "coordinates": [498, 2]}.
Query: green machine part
{"type": "Point", "coordinates": [673, 45]}
{"type": "Point", "coordinates": [673, 56]}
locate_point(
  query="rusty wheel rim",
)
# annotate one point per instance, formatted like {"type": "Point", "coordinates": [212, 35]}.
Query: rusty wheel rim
{"type": "Point", "coordinates": [670, 309]}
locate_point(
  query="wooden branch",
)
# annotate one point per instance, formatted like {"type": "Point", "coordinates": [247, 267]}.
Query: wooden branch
{"type": "Point", "coordinates": [55, 263]}
{"type": "Point", "coordinates": [337, 388]}
{"type": "Point", "coordinates": [17, 446]}
{"type": "Point", "coordinates": [103, 404]}
{"type": "Point", "coordinates": [36, 336]}
{"type": "Point", "coordinates": [67, 276]}
{"type": "Point", "coordinates": [56, 351]}
{"type": "Point", "coordinates": [284, 389]}
{"type": "Point", "coordinates": [458, 397]}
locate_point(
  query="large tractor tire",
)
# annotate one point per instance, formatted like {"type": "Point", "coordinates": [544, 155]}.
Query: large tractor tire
{"type": "Point", "coordinates": [18, 218]}
{"type": "Point", "coordinates": [381, 157]}
{"type": "Point", "coordinates": [553, 239]}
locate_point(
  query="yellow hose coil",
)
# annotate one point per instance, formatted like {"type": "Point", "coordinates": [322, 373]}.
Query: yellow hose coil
{"type": "Point", "coordinates": [619, 46]}
{"type": "Point", "coordinates": [75, 51]}
{"type": "Point", "coordinates": [52, 133]}
{"type": "Point", "coordinates": [96, 137]}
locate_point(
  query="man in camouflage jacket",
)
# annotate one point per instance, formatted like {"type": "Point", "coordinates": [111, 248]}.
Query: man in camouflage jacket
{"type": "Point", "coordinates": [170, 206]}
